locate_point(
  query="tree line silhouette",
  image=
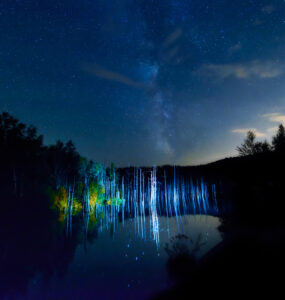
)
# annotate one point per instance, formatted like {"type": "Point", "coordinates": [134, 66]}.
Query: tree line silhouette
{"type": "Point", "coordinates": [249, 184]}
{"type": "Point", "coordinates": [251, 204]}
{"type": "Point", "coordinates": [32, 173]}
{"type": "Point", "coordinates": [251, 147]}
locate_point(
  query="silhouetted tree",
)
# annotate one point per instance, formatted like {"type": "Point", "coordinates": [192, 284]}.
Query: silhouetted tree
{"type": "Point", "coordinates": [21, 150]}
{"type": "Point", "coordinates": [28, 166]}
{"type": "Point", "coordinates": [248, 147]}
{"type": "Point", "coordinates": [251, 147]}
{"type": "Point", "coordinates": [262, 147]}
{"type": "Point", "coordinates": [278, 140]}
{"type": "Point", "coordinates": [63, 162]}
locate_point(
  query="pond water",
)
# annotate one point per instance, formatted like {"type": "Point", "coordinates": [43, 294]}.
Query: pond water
{"type": "Point", "coordinates": [123, 264]}
{"type": "Point", "coordinates": [116, 250]}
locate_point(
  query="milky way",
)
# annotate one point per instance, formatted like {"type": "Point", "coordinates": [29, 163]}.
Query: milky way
{"type": "Point", "coordinates": [145, 82]}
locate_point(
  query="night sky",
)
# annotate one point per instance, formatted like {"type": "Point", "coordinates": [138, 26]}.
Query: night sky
{"type": "Point", "coordinates": [145, 82]}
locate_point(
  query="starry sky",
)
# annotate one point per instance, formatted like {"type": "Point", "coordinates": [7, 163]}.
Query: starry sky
{"type": "Point", "coordinates": [143, 82]}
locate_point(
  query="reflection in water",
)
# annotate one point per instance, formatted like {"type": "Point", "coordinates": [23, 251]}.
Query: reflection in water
{"type": "Point", "coordinates": [143, 196]}
{"type": "Point", "coordinates": [38, 261]}
{"type": "Point", "coordinates": [118, 244]}
{"type": "Point", "coordinates": [124, 266]}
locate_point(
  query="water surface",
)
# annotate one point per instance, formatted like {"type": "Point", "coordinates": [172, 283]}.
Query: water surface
{"type": "Point", "coordinates": [123, 264]}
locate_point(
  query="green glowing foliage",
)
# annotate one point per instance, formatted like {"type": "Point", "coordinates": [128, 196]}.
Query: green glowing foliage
{"type": "Point", "coordinates": [93, 222]}
{"type": "Point", "coordinates": [93, 195]}
{"type": "Point", "coordinates": [76, 207]}
{"type": "Point", "coordinates": [58, 198]}
{"type": "Point", "coordinates": [113, 201]}
{"type": "Point", "coordinates": [116, 201]}
{"type": "Point", "coordinates": [94, 186]}
{"type": "Point", "coordinates": [59, 201]}
{"type": "Point", "coordinates": [96, 194]}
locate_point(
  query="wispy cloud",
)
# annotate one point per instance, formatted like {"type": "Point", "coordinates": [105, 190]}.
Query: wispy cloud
{"type": "Point", "coordinates": [170, 39]}
{"type": "Point", "coordinates": [275, 117]}
{"type": "Point", "coordinates": [103, 73]}
{"type": "Point", "coordinates": [245, 130]}
{"type": "Point", "coordinates": [268, 9]}
{"type": "Point", "coordinates": [257, 69]}
{"type": "Point", "coordinates": [268, 132]}
{"type": "Point", "coordinates": [272, 130]}
{"type": "Point", "coordinates": [235, 48]}
{"type": "Point", "coordinates": [169, 50]}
